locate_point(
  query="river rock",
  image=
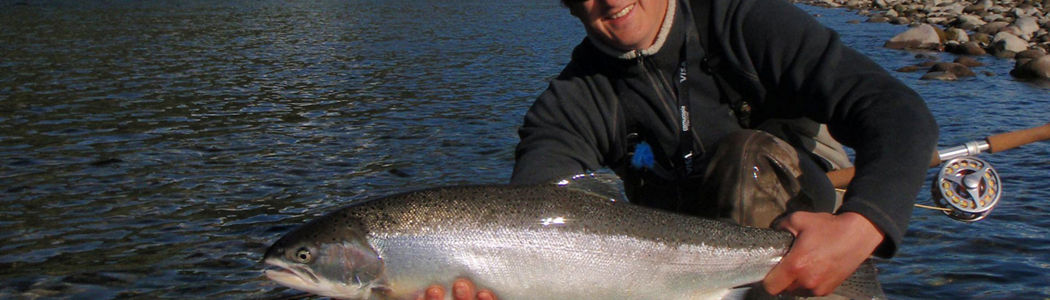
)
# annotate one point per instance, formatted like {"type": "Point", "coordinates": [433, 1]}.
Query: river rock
{"type": "Point", "coordinates": [928, 57]}
{"type": "Point", "coordinates": [968, 48]}
{"type": "Point", "coordinates": [909, 69]}
{"type": "Point", "coordinates": [993, 27]}
{"type": "Point", "coordinates": [956, 34]}
{"type": "Point", "coordinates": [927, 64]}
{"type": "Point", "coordinates": [937, 20]}
{"type": "Point", "coordinates": [969, 22]}
{"type": "Point", "coordinates": [944, 76]}
{"type": "Point", "coordinates": [1024, 10]}
{"type": "Point", "coordinates": [993, 17]}
{"type": "Point", "coordinates": [1009, 42]}
{"type": "Point", "coordinates": [1027, 25]}
{"type": "Point", "coordinates": [982, 38]}
{"type": "Point", "coordinates": [1030, 54]}
{"type": "Point", "coordinates": [1016, 31]}
{"type": "Point", "coordinates": [878, 19]}
{"type": "Point", "coordinates": [827, 3]}
{"type": "Point", "coordinates": [957, 69]}
{"type": "Point", "coordinates": [1038, 68]}
{"type": "Point", "coordinates": [999, 9]}
{"type": "Point", "coordinates": [968, 61]}
{"type": "Point", "coordinates": [920, 37]}
{"type": "Point", "coordinates": [984, 4]}
{"type": "Point", "coordinates": [974, 9]}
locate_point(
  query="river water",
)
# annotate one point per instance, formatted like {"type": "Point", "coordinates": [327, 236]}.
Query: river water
{"type": "Point", "coordinates": [156, 148]}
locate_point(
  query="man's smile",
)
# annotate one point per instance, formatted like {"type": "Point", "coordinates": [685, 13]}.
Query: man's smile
{"type": "Point", "coordinates": [622, 12]}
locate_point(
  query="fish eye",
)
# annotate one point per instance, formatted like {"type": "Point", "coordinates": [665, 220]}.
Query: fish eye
{"type": "Point", "coordinates": [303, 255]}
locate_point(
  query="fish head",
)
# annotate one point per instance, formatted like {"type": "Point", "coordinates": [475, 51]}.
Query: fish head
{"type": "Point", "coordinates": [326, 257]}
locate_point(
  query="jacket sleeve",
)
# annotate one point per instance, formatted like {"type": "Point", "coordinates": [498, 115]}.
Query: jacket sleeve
{"type": "Point", "coordinates": [806, 71]}
{"type": "Point", "coordinates": [566, 131]}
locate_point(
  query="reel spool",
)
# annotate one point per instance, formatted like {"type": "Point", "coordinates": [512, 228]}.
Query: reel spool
{"type": "Point", "coordinates": [968, 188]}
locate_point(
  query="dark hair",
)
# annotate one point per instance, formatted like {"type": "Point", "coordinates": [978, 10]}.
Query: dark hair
{"type": "Point", "coordinates": [566, 2]}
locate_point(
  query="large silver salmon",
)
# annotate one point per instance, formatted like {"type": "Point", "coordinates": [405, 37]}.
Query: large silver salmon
{"type": "Point", "coordinates": [526, 242]}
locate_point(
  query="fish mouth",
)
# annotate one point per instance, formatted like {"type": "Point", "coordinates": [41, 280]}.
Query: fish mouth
{"type": "Point", "coordinates": [304, 279]}
{"type": "Point", "coordinates": [292, 277]}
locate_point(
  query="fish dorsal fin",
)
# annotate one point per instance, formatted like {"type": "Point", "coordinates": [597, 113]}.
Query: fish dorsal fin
{"type": "Point", "coordinates": [607, 186]}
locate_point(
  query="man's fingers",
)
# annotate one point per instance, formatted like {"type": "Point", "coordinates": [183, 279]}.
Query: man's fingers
{"type": "Point", "coordinates": [486, 295]}
{"type": "Point", "coordinates": [462, 289]}
{"type": "Point", "coordinates": [777, 280]}
{"type": "Point", "coordinates": [434, 292]}
{"type": "Point", "coordinates": [789, 222]}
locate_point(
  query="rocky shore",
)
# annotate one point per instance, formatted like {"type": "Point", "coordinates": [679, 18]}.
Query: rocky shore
{"type": "Point", "coordinates": [1009, 29]}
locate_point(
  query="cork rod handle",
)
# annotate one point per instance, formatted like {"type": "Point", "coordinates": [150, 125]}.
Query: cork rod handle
{"type": "Point", "coordinates": [1010, 140]}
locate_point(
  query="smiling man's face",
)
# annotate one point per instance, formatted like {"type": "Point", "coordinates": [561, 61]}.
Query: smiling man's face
{"type": "Point", "coordinates": [622, 24]}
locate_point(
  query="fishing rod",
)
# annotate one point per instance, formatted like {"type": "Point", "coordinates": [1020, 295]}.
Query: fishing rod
{"type": "Point", "coordinates": [967, 187]}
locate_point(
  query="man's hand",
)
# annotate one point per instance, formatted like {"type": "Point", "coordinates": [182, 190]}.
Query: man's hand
{"type": "Point", "coordinates": [462, 289]}
{"type": "Point", "coordinates": [827, 250]}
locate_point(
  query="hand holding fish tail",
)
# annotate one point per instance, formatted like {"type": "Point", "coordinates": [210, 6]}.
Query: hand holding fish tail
{"type": "Point", "coordinates": [827, 250]}
{"type": "Point", "coordinates": [462, 289]}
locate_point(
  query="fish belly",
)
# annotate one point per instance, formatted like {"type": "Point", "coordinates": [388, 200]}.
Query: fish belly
{"type": "Point", "coordinates": [553, 264]}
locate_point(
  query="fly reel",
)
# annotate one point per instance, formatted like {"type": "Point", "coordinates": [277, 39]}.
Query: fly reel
{"type": "Point", "coordinates": [967, 188]}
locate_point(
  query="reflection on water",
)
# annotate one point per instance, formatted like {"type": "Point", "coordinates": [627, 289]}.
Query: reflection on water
{"type": "Point", "coordinates": [155, 148]}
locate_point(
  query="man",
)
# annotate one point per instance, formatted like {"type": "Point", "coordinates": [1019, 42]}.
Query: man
{"type": "Point", "coordinates": [667, 93]}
